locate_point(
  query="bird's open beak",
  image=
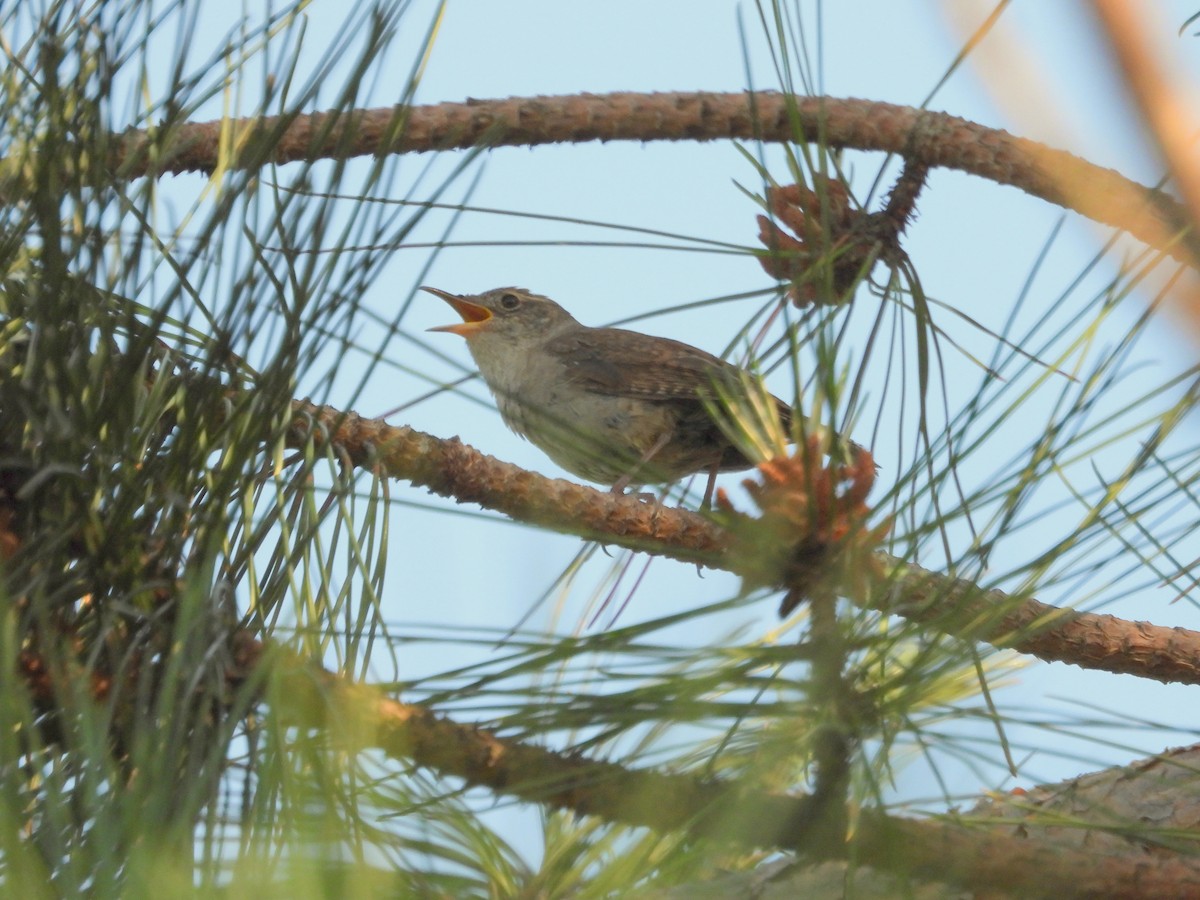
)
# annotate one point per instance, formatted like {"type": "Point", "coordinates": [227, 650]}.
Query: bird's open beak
{"type": "Point", "coordinates": [473, 315]}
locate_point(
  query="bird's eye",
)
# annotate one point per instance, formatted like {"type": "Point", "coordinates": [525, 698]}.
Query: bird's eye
{"type": "Point", "coordinates": [510, 301]}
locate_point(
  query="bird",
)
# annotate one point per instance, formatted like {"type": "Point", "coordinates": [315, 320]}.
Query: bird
{"type": "Point", "coordinates": [612, 406]}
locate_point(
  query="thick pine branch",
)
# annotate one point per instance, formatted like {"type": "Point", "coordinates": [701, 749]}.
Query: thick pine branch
{"type": "Point", "coordinates": [307, 696]}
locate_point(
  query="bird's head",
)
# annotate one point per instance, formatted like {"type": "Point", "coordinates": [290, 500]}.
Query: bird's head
{"type": "Point", "coordinates": [510, 315]}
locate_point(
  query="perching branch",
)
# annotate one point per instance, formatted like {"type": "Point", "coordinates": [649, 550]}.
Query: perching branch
{"type": "Point", "coordinates": [954, 606]}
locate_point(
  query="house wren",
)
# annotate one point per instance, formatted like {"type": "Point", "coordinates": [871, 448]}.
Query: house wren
{"type": "Point", "coordinates": [612, 406]}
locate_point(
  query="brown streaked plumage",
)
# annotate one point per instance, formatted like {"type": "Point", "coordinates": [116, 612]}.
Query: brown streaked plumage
{"type": "Point", "coordinates": [610, 405]}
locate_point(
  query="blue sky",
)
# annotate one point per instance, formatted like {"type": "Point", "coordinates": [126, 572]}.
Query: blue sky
{"type": "Point", "coordinates": [973, 243]}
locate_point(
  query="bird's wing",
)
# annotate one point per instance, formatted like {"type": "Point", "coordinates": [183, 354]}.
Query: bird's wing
{"type": "Point", "coordinates": [623, 363]}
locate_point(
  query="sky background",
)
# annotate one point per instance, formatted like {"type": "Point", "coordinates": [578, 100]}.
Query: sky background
{"type": "Point", "coordinates": [1043, 75]}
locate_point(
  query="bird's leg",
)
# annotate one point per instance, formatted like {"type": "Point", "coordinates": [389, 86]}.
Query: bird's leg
{"type": "Point", "coordinates": [623, 482]}
{"type": "Point", "coordinates": [712, 483]}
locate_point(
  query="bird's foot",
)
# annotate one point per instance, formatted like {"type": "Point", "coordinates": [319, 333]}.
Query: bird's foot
{"type": "Point", "coordinates": [623, 483]}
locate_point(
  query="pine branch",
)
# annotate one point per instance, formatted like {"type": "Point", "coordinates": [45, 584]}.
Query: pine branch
{"type": "Point", "coordinates": [308, 696]}
{"type": "Point", "coordinates": [930, 138]}
{"type": "Point", "coordinates": [957, 607]}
